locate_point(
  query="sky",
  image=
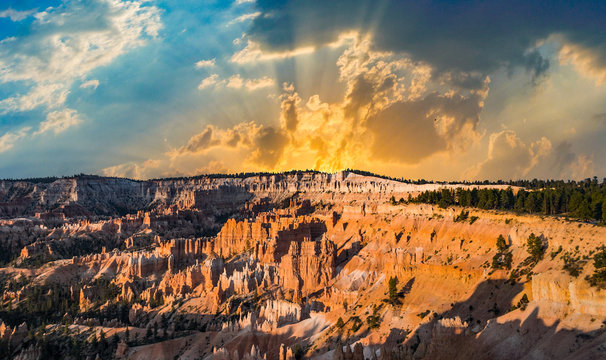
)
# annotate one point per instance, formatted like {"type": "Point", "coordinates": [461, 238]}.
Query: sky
{"type": "Point", "coordinates": [441, 90]}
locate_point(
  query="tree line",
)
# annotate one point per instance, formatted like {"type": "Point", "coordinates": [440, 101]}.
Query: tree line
{"type": "Point", "coordinates": [583, 200]}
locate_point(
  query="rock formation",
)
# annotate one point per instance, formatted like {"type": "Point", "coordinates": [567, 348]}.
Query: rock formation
{"type": "Point", "coordinates": [287, 266]}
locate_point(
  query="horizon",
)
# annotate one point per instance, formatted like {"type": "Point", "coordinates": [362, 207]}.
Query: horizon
{"type": "Point", "coordinates": [303, 171]}
{"type": "Point", "coordinates": [162, 88]}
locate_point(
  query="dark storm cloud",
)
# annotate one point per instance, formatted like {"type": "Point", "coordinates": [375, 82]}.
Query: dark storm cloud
{"type": "Point", "coordinates": [452, 36]}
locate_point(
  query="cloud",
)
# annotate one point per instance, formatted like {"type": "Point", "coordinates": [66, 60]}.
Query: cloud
{"type": "Point", "coordinates": [396, 127]}
{"type": "Point", "coordinates": [243, 18]}
{"type": "Point", "coordinates": [264, 144]}
{"type": "Point", "coordinates": [245, 147]}
{"type": "Point", "coordinates": [288, 110]}
{"type": "Point", "coordinates": [563, 163]}
{"type": "Point", "coordinates": [269, 147]}
{"type": "Point", "coordinates": [392, 112]}
{"type": "Point", "coordinates": [59, 121]}
{"type": "Point", "coordinates": [237, 82]}
{"type": "Point", "coordinates": [92, 84]}
{"type": "Point", "coordinates": [209, 81]}
{"type": "Point", "coordinates": [56, 122]}
{"type": "Point", "coordinates": [8, 140]}
{"type": "Point", "coordinates": [213, 167]}
{"type": "Point", "coordinates": [49, 94]}
{"type": "Point", "coordinates": [562, 158]}
{"type": "Point", "coordinates": [133, 170]}
{"type": "Point", "coordinates": [583, 167]}
{"type": "Point", "coordinates": [511, 158]}
{"type": "Point", "coordinates": [399, 112]}
{"type": "Point", "coordinates": [450, 36]}
{"type": "Point", "coordinates": [205, 63]}
{"type": "Point", "coordinates": [16, 15]}
{"type": "Point", "coordinates": [66, 43]}
{"type": "Point", "coordinates": [585, 60]}
{"type": "Point", "coordinates": [254, 84]}
{"type": "Point", "coordinates": [252, 52]}
{"type": "Point", "coordinates": [240, 135]}
{"type": "Point", "coordinates": [200, 142]}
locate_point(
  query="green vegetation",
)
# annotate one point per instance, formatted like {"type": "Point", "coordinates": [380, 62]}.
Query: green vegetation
{"type": "Point", "coordinates": [536, 250]}
{"type": "Point", "coordinates": [503, 258]}
{"type": "Point", "coordinates": [423, 314]}
{"type": "Point", "coordinates": [501, 243]}
{"type": "Point", "coordinates": [462, 216]}
{"type": "Point", "coordinates": [522, 304]}
{"type": "Point", "coordinates": [572, 264]}
{"type": "Point", "coordinates": [534, 246]}
{"type": "Point", "coordinates": [374, 320]}
{"type": "Point", "coordinates": [555, 253]}
{"type": "Point", "coordinates": [357, 323]}
{"type": "Point", "coordinates": [599, 262]}
{"type": "Point", "coordinates": [340, 323]}
{"type": "Point", "coordinates": [393, 291]}
{"type": "Point", "coordinates": [55, 345]}
{"type": "Point", "coordinates": [583, 200]}
{"type": "Point", "coordinates": [48, 303]}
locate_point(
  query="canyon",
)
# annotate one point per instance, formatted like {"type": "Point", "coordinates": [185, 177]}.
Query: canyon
{"type": "Point", "coordinates": [288, 266]}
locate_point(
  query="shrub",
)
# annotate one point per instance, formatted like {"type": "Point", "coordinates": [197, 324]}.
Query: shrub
{"type": "Point", "coordinates": [556, 252]}
{"type": "Point", "coordinates": [462, 216]}
{"type": "Point", "coordinates": [572, 264]}
{"type": "Point", "coordinates": [501, 243]}
{"type": "Point", "coordinates": [340, 323]}
{"type": "Point", "coordinates": [357, 323]}
{"type": "Point", "coordinates": [374, 320]}
{"type": "Point", "coordinates": [522, 304]}
{"type": "Point", "coordinates": [599, 262]}
{"type": "Point", "coordinates": [423, 314]}
{"type": "Point", "coordinates": [502, 260]}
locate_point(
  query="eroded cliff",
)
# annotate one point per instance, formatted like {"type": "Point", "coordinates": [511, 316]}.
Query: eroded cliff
{"type": "Point", "coordinates": [312, 265]}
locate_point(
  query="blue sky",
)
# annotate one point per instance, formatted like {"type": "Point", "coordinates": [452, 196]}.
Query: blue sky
{"type": "Point", "coordinates": [438, 89]}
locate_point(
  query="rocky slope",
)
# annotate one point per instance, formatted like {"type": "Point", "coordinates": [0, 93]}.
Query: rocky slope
{"type": "Point", "coordinates": [308, 265]}
{"type": "Point", "coordinates": [85, 195]}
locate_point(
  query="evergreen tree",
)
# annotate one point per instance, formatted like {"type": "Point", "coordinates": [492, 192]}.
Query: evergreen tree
{"type": "Point", "coordinates": [535, 247]}
{"type": "Point", "coordinates": [393, 290]}
{"type": "Point", "coordinates": [501, 243]}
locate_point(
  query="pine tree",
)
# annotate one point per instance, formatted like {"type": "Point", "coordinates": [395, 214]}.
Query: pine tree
{"type": "Point", "coordinates": [393, 290]}
{"type": "Point", "coordinates": [501, 243]}
{"type": "Point", "coordinates": [535, 247]}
